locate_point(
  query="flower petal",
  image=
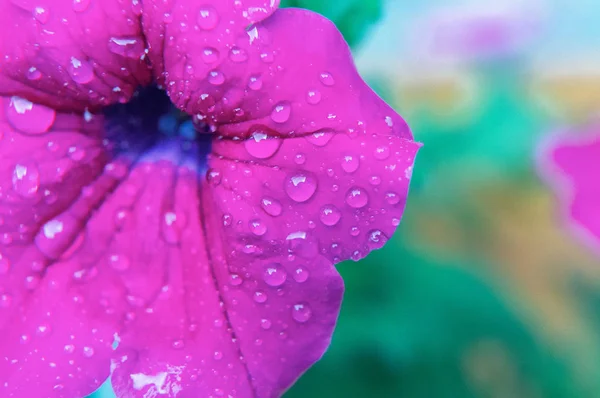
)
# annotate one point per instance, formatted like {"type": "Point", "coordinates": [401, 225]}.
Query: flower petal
{"type": "Point", "coordinates": [569, 162]}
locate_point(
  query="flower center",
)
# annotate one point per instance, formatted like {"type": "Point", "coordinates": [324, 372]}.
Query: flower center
{"type": "Point", "coordinates": [150, 128]}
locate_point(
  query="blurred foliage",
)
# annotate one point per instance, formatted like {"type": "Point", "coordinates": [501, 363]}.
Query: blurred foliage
{"type": "Point", "coordinates": [352, 17]}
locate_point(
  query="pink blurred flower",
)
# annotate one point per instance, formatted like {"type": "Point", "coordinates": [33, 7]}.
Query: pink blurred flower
{"type": "Point", "coordinates": [124, 250]}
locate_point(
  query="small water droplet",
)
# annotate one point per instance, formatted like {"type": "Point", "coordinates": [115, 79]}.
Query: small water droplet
{"type": "Point", "coordinates": [330, 215]}
{"type": "Point", "coordinates": [178, 344]}
{"type": "Point", "coordinates": [80, 71]}
{"type": "Point", "coordinates": [88, 352]}
{"type": "Point", "coordinates": [257, 227]}
{"type": "Point", "coordinates": [238, 55]}
{"type": "Point", "coordinates": [382, 152]}
{"type": "Point", "coordinates": [216, 78]}
{"type": "Point", "coordinates": [301, 187]}
{"type": "Point", "coordinates": [218, 355]}
{"type": "Point", "coordinates": [28, 117]}
{"type": "Point", "coordinates": [26, 180]}
{"type": "Point", "coordinates": [69, 348]}
{"type": "Point", "coordinates": [313, 97]}
{"type": "Point", "coordinates": [281, 112]}
{"type": "Point", "coordinates": [81, 5]}
{"type": "Point", "coordinates": [357, 198]}
{"type": "Point", "coordinates": [300, 275]}
{"type": "Point", "coordinates": [377, 239]}
{"type": "Point", "coordinates": [129, 47]}
{"type": "Point", "coordinates": [119, 262]}
{"type": "Point", "coordinates": [301, 313]}
{"type": "Point", "coordinates": [265, 324]}
{"type": "Point", "coordinates": [300, 158]}
{"type": "Point", "coordinates": [210, 55]}
{"type": "Point", "coordinates": [43, 330]}
{"type": "Point", "coordinates": [271, 206]}
{"type": "Point", "coordinates": [267, 57]}
{"type": "Point", "coordinates": [320, 138]}
{"type": "Point", "coordinates": [5, 300]}
{"type": "Point", "coordinates": [274, 275]}
{"type": "Point", "coordinates": [33, 74]}
{"type": "Point", "coordinates": [213, 177]}
{"type": "Point", "coordinates": [207, 18]}
{"type": "Point", "coordinates": [235, 280]}
{"type": "Point", "coordinates": [260, 297]}
{"type": "Point", "coordinates": [327, 79]}
{"type": "Point", "coordinates": [354, 231]}
{"type": "Point", "coordinates": [261, 145]}
{"type": "Point", "coordinates": [255, 83]}
{"type": "Point", "coordinates": [350, 163]}
{"type": "Point", "coordinates": [227, 220]}
{"type": "Point", "coordinates": [392, 198]}
{"type": "Point", "coordinates": [41, 14]}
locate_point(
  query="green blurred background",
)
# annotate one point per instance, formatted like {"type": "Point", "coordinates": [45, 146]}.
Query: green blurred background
{"type": "Point", "coordinates": [481, 293]}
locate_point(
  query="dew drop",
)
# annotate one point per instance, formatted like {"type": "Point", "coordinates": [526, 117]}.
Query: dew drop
{"type": "Point", "coordinates": [80, 71]}
{"type": "Point", "coordinates": [213, 177]}
{"type": "Point", "coordinates": [69, 348]}
{"type": "Point", "coordinates": [301, 313]}
{"type": "Point", "coordinates": [119, 262]}
{"type": "Point", "coordinates": [267, 57]}
{"type": "Point", "coordinates": [207, 18]}
{"type": "Point", "coordinates": [300, 158]}
{"type": "Point", "coordinates": [357, 198]}
{"type": "Point", "coordinates": [81, 5]}
{"type": "Point", "coordinates": [28, 117]}
{"type": "Point", "coordinates": [301, 187]}
{"type": "Point", "coordinates": [33, 74]}
{"type": "Point", "coordinates": [350, 163]}
{"type": "Point", "coordinates": [320, 138]}
{"type": "Point", "coordinates": [313, 97]}
{"type": "Point", "coordinates": [41, 14]}
{"type": "Point", "coordinates": [257, 227]}
{"type": "Point", "coordinates": [238, 55]}
{"type": "Point", "coordinates": [300, 275]}
{"type": "Point", "coordinates": [43, 330]}
{"type": "Point", "coordinates": [274, 275]}
{"type": "Point", "coordinates": [261, 145]}
{"type": "Point", "coordinates": [354, 231]}
{"type": "Point", "coordinates": [255, 83]}
{"type": "Point", "coordinates": [392, 198]}
{"type": "Point", "coordinates": [281, 112]}
{"type": "Point", "coordinates": [330, 215]}
{"type": "Point", "coordinates": [265, 324]}
{"type": "Point", "coordinates": [88, 352]}
{"type": "Point", "coordinates": [260, 297]}
{"type": "Point", "coordinates": [218, 355]}
{"type": "Point", "coordinates": [327, 79]}
{"type": "Point", "coordinates": [178, 344]}
{"type": "Point", "coordinates": [382, 153]}
{"type": "Point", "coordinates": [216, 78]}
{"type": "Point", "coordinates": [235, 280]}
{"type": "Point", "coordinates": [271, 206]}
{"type": "Point", "coordinates": [376, 239]}
{"type": "Point", "coordinates": [210, 55]}
{"type": "Point", "coordinates": [127, 47]}
{"type": "Point", "coordinates": [5, 300]}
{"type": "Point", "coordinates": [26, 180]}
{"type": "Point", "coordinates": [227, 220]}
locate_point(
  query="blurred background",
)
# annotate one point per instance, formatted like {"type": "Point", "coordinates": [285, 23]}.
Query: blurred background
{"type": "Point", "coordinates": [482, 292]}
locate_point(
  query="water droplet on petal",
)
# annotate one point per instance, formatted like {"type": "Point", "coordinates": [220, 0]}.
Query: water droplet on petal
{"type": "Point", "coordinates": [392, 198]}
{"type": "Point", "coordinates": [354, 231]}
{"type": "Point", "coordinates": [178, 344]}
{"type": "Point", "coordinates": [43, 330]}
{"type": "Point", "coordinates": [265, 324]}
{"type": "Point", "coordinates": [119, 262]}
{"type": "Point", "coordinates": [237, 55]}
{"type": "Point", "coordinates": [330, 215]}
{"type": "Point", "coordinates": [210, 55]}
{"type": "Point", "coordinates": [81, 5]}
{"type": "Point", "coordinates": [313, 97]}
{"type": "Point", "coordinates": [382, 153]}
{"type": "Point", "coordinates": [28, 117]}
{"type": "Point", "coordinates": [300, 275]}
{"type": "Point", "coordinates": [5, 300]}
{"type": "Point", "coordinates": [81, 71]}
{"type": "Point", "coordinates": [26, 180]}
{"type": "Point", "coordinates": [218, 355]}
{"type": "Point", "coordinates": [261, 145]}
{"type": "Point", "coordinates": [327, 79]}
{"type": "Point", "coordinates": [216, 78]}
{"type": "Point", "coordinates": [350, 163]}
{"type": "Point", "coordinates": [357, 198]}
{"type": "Point", "coordinates": [255, 83]}
{"type": "Point", "coordinates": [41, 14]}
{"type": "Point", "coordinates": [301, 313]}
{"type": "Point", "coordinates": [129, 47]}
{"type": "Point", "coordinates": [274, 275]}
{"type": "Point", "coordinates": [320, 138]}
{"type": "Point", "coordinates": [257, 227]}
{"type": "Point", "coordinates": [301, 187]}
{"type": "Point", "coordinates": [260, 297]}
{"type": "Point", "coordinates": [377, 239]}
{"type": "Point", "coordinates": [300, 158]}
{"type": "Point", "coordinates": [235, 280]}
{"type": "Point", "coordinates": [281, 112]}
{"type": "Point", "coordinates": [271, 206]}
{"type": "Point", "coordinates": [88, 352]}
{"type": "Point", "coordinates": [33, 74]}
{"type": "Point", "coordinates": [207, 18]}
{"type": "Point", "coordinates": [227, 220]}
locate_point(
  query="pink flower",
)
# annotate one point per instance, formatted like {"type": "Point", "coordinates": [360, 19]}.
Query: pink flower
{"type": "Point", "coordinates": [119, 257]}
{"type": "Point", "coordinates": [569, 162]}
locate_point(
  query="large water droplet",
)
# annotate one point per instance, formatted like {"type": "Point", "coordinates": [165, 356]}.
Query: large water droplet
{"type": "Point", "coordinates": [28, 117]}
{"type": "Point", "coordinates": [320, 138]}
{"type": "Point", "coordinates": [33, 74]}
{"type": "Point", "coordinates": [216, 78]}
{"type": "Point", "coordinates": [281, 112]}
{"type": "Point", "coordinates": [350, 163]}
{"type": "Point", "coordinates": [210, 55]}
{"type": "Point", "coordinates": [330, 215]}
{"type": "Point", "coordinates": [376, 239]}
{"type": "Point", "coordinates": [382, 152]}
{"type": "Point", "coordinates": [129, 47]}
{"type": "Point", "coordinates": [274, 275]}
{"type": "Point", "coordinates": [301, 187]}
{"type": "Point", "coordinates": [301, 312]}
{"type": "Point", "coordinates": [357, 197]}
{"type": "Point", "coordinates": [26, 180]}
{"type": "Point", "coordinates": [260, 297]}
{"type": "Point", "coordinates": [207, 18]}
{"type": "Point", "coordinates": [80, 71]}
{"type": "Point", "coordinates": [255, 83]}
{"type": "Point", "coordinates": [313, 97]}
{"type": "Point", "coordinates": [392, 198]}
{"type": "Point", "coordinates": [261, 145]}
{"type": "Point", "coordinates": [271, 206]}
{"type": "Point", "coordinates": [300, 275]}
{"type": "Point", "coordinates": [258, 227]}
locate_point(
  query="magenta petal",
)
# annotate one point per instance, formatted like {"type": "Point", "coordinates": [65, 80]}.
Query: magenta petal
{"type": "Point", "coordinates": [216, 286]}
{"type": "Point", "coordinates": [569, 162]}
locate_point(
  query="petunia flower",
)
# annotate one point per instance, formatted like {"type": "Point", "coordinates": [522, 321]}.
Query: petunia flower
{"type": "Point", "coordinates": [185, 256]}
{"type": "Point", "coordinates": [569, 162]}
